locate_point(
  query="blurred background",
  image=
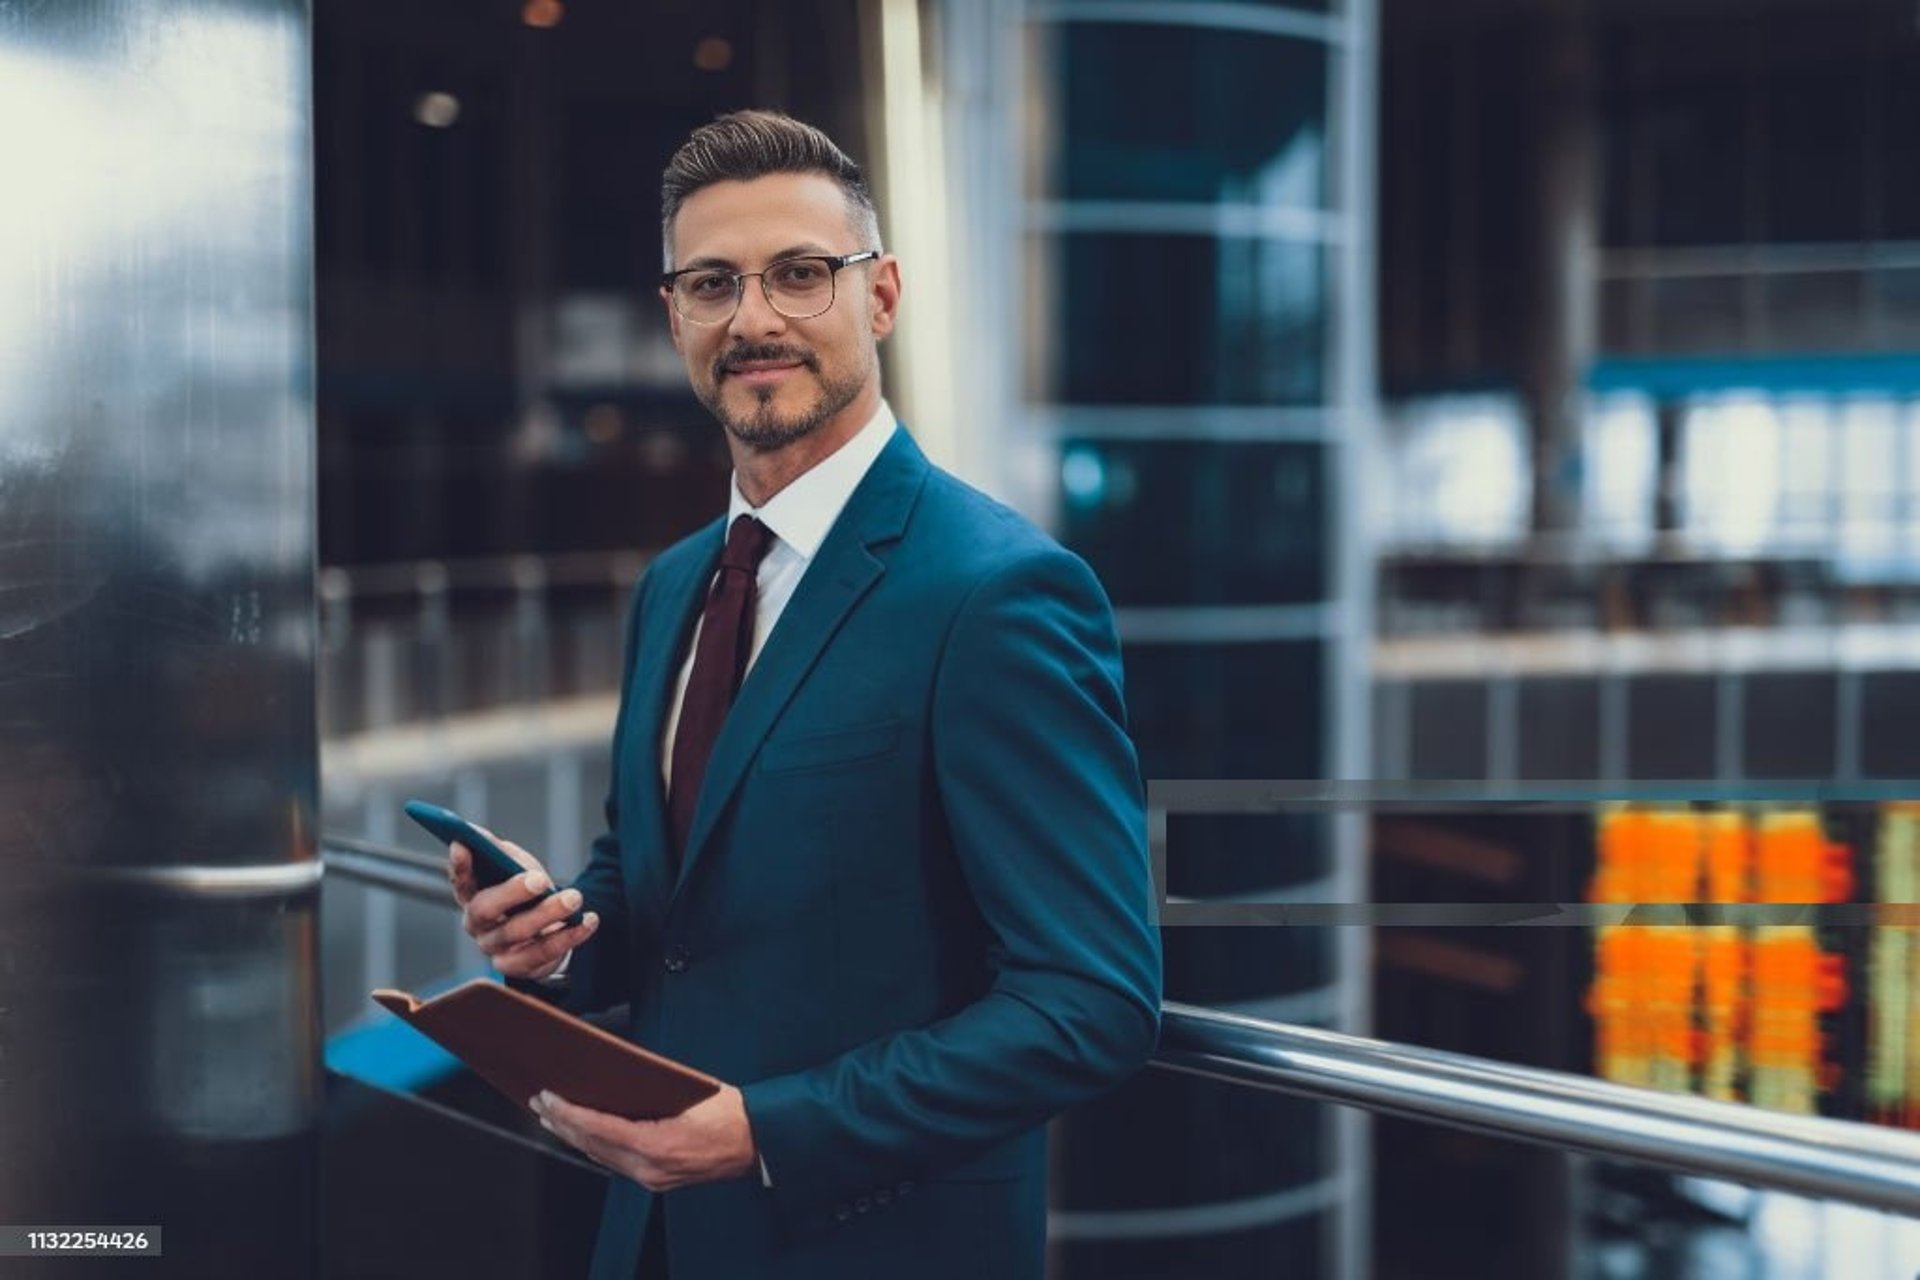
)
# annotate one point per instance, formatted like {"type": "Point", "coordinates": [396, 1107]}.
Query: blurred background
{"type": "Point", "coordinates": [1497, 423]}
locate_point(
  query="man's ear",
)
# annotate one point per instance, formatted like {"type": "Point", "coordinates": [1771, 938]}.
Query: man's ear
{"type": "Point", "coordinates": [883, 296]}
{"type": "Point", "coordinates": [673, 319]}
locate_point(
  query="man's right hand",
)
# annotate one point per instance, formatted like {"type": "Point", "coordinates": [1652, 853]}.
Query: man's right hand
{"type": "Point", "coordinates": [529, 945]}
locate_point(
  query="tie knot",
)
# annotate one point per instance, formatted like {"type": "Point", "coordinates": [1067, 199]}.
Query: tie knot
{"type": "Point", "coordinates": [748, 542]}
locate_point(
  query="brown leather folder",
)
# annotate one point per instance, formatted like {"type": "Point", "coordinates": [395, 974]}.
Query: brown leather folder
{"type": "Point", "coordinates": [521, 1045]}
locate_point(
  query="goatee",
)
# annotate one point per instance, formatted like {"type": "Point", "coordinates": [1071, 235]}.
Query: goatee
{"type": "Point", "coordinates": [764, 428]}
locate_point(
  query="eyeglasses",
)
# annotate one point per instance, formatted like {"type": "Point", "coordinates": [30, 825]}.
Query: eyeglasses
{"type": "Point", "coordinates": [797, 288]}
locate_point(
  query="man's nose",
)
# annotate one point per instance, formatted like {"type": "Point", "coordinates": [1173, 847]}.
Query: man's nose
{"type": "Point", "coordinates": [755, 315]}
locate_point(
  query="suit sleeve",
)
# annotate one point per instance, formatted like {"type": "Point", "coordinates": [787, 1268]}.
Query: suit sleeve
{"type": "Point", "coordinates": [598, 975]}
{"type": "Point", "coordinates": [1043, 800]}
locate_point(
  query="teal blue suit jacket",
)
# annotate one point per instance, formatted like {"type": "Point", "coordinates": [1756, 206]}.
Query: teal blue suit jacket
{"type": "Point", "coordinates": [914, 918]}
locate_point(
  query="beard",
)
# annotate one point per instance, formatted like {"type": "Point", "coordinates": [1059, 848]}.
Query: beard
{"type": "Point", "coordinates": [764, 427]}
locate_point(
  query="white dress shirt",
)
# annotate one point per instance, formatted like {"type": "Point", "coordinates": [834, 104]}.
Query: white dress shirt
{"type": "Point", "coordinates": [800, 517]}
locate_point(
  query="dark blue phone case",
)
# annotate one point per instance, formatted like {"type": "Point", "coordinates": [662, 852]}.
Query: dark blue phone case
{"type": "Point", "coordinates": [492, 865]}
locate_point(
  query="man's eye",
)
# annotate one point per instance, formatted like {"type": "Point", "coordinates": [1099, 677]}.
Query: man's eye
{"type": "Point", "coordinates": [711, 285]}
{"type": "Point", "coordinates": [799, 274]}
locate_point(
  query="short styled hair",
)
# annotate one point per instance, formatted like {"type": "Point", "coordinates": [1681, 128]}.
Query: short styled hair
{"type": "Point", "coordinates": [743, 145]}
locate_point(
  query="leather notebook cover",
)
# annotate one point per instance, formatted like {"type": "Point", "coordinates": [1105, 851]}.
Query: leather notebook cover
{"type": "Point", "coordinates": [521, 1045]}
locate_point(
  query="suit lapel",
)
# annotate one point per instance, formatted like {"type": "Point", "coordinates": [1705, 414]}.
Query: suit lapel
{"type": "Point", "coordinates": [663, 645]}
{"type": "Point", "coordinates": [843, 571]}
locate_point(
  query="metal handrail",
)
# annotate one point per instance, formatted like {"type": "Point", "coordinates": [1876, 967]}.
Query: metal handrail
{"type": "Point", "coordinates": [415, 875]}
{"type": "Point", "coordinates": [1807, 1155]}
{"type": "Point", "coordinates": [1835, 1159]}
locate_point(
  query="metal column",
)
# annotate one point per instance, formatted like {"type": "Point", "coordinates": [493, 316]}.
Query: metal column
{"type": "Point", "coordinates": [159, 1014]}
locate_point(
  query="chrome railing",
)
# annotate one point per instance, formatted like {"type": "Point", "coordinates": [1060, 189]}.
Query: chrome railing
{"type": "Point", "coordinates": [1807, 1155]}
{"type": "Point", "coordinates": [416, 875]}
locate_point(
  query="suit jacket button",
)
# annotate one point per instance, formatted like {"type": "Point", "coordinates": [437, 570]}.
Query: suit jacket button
{"type": "Point", "coordinates": [675, 959]}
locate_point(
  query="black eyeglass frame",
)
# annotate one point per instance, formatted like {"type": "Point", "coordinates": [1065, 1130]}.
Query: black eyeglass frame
{"type": "Point", "coordinates": [835, 263]}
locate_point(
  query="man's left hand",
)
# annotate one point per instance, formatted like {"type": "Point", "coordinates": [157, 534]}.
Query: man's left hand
{"type": "Point", "coordinates": [707, 1142]}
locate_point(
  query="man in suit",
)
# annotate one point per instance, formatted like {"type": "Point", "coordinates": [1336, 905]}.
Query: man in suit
{"type": "Point", "coordinates": [892, 881]}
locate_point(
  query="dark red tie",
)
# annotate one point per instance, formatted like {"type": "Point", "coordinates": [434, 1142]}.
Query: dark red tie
{"type": "Point", "coordinates": [719, 660]}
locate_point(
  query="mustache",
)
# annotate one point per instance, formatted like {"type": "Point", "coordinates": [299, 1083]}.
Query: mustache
{"type": "Point", "coordinates": [754, 352]}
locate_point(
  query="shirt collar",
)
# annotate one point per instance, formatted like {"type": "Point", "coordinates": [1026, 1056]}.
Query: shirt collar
{"type": "Point", "coordinates": [801, 513]}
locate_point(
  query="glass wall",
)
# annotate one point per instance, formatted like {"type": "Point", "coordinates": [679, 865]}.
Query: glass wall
{"type": "Point", "coordinates": [1693, 690]}
{"type": "Point", "coordinates": [1184, 397]}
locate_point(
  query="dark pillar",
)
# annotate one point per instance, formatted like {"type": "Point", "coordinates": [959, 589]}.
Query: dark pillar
{"type": "Point", "coordinates": [1669, 493]}
{"type": "Point", "coordinates": [1559, 336]}
{"type": "Point", "coordinates": [159, 1028]}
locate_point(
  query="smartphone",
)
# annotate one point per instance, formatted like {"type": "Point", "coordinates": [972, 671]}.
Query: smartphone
{"type": "Point", "coordinates": [492, 865]}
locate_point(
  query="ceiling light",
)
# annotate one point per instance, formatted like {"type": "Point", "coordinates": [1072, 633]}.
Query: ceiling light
{"type": "Point", "coordinates": [436, 110]}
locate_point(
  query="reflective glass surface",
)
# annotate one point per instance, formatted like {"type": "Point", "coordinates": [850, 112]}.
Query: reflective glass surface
{"type": "Point", "coordinates": [1162, 112]}
{"type": "Point", "coordinates": [1789, 725]}
{"type": "Point", "coordinates": [1173, 522]}
{"type": "Point", "coordinates": [1889, 705]}
{"type": "Point", "coordinates": [1310, 6]}
{"type": "Point", "coordinates": [1621, 303]}
{"type": "Point", "coordinates": [1218, 855]}
{"type": "Point", "coordinates": [1698, 315]}
{"type": "Point", "coordinates": [1901, 172]}
{"type": "Point", "coordinates": [1224, 710]}
{"type": "Point", "coordinates": [1895, 299]}
{"type": "Point", "coordinates": [1173, 319]}
{"type": "Point", "coordinates": [1698, 142]}
{"type": "Point", "coordinates": [1816, 190]}
{"type": "Point", "coordinates": [1671, 726]}
{"type": "Point", "coordinates": [1817, 311]}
